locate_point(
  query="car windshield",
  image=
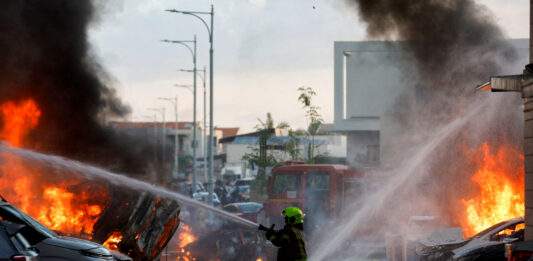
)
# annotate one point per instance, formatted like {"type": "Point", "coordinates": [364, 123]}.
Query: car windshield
{"type": "Point", "coordinates": [9, 213]}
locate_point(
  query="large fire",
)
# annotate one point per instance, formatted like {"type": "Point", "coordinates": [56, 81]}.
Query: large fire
{"type": "Point", "coordinates": [185, 236]}
{"type": "Point", "coordinates": [42, 193]}
{"type": "Point", "coordinates": [499, 188]}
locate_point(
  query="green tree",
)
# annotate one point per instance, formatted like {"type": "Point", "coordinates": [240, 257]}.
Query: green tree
{"type": "Point", "coordinates": [260, 156]}
{"type": "Point", "coordinates": [315, 121]}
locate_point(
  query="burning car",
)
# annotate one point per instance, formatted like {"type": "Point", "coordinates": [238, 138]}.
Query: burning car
{"type": "Point", "coordinates": [488, 244]}
{"type": "Point", "coordinates": [47, 243]}
{"type": "Point", "coordinates": [142, 227]}
{"type": "Point", "coordinates": [137, 224]}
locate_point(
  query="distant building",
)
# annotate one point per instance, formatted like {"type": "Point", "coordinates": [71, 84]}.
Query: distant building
{"type": "Point", "coordinates": [236, 147]}
{"type": "Point", "coordinates": [221, 133]}
{"type": "Point", "coordinates": [369, 77]}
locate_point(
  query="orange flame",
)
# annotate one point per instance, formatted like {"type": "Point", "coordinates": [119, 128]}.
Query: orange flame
{"type": "Point", "coordinates": [47, 198]}
{"type": "Point", "coordinates": [63, 214]}
{"type": "Point", "coordinates": [113, 240]}
{"type": "Point", "coordinates": [500, 188]}
{"type": "Point", "coordinates": [185, 236]}
{"type": "Point", "coordinates": [18, 120]}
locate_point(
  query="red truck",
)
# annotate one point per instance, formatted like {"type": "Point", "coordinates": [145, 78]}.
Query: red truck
{"type": "Point", "coordinates": [321, 191]}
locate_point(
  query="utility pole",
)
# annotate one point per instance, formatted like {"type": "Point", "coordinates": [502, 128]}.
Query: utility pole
{"type": "Point", "coordinates": [174, 101]}
{"type": "Point", "coordinates": [194, 145]}
{"type": "Point", "coordinates": [204, 129]}
{"type": "Point", "coordinates": [210, 30]}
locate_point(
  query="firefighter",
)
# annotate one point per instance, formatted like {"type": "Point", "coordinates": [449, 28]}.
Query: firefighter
{"type": "Point", "coordinates": [290, 239]}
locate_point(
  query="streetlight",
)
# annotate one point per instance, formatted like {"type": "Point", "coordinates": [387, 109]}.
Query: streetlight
{"type": "Point", "coordinates": [204, 129]}
{"type": "Point", "coordinates": [210, 30]}
{"type": "Point", "coordinates": [189, 88]}
{"type": "Point", "coordinates": [163, 144]}
{"type": "Point", "coordinates": [174, 101]}
{"type": "Point", "coordinates": [194, 141]}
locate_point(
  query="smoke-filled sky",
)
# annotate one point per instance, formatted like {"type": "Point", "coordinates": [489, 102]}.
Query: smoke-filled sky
{"type": "Point", "coordinates": [264, 50]}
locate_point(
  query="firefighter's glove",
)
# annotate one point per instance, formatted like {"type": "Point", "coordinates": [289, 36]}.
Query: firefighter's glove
{"type": "Point", "coordinates": [262, 228]}
{"type": "Point", "coordinates": [266, 229]}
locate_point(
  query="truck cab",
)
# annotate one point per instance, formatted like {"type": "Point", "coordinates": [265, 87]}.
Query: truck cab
{"type": "Point", "coordinates": [321, 191]}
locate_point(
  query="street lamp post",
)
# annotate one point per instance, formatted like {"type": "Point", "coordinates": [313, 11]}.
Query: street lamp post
{"type": "Point", "coordinates": [204, 129]}
{"type": "Point", "coordinates": [191, 89]}
{"type": "Point", "coordinates": [194, 140]}
{"type": "Point", "coordinates": [210, 31]}
{"type": "Point", "coordinates": [174, 101]}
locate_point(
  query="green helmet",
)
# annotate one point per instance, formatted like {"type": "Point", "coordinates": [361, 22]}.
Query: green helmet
{"type": "Point", "coordinates": [293, 215]}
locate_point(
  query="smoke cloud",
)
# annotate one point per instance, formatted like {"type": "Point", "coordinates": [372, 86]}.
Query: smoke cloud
{"type": "Point", "coordinates": [448, 38]}
{"type": "Point", "coordinates": [45, 55]}
{"type": "Point", "coordinates": [453, 45]}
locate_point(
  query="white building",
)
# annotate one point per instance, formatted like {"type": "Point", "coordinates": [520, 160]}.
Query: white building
{"type": "Point", "coordinates": [368, 78]}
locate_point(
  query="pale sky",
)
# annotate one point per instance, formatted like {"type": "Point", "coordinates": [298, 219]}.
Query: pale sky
{"type": "Point", "coordinates": [264, 51]}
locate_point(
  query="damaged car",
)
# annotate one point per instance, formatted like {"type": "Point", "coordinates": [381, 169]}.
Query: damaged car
{"type": "Point", "coordinates": [488, 244]}
{"type": "Point", "coordinates": [48, 244]}
{"type": "Point", "coordinates": [13, 245]}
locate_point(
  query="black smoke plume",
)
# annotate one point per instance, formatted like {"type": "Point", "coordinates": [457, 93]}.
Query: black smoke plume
{"type": "Point", "coordinates": [45, 55]}
{"type": "Point", "coordinates": [451, 40]}
{"type": "Point", "coordinates": [454, 46]}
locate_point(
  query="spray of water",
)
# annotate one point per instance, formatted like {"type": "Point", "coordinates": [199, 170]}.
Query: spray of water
{"type": "Point", "coordinates": [405, 176]}
{"type": "Point", "coordinates": [92, 172]}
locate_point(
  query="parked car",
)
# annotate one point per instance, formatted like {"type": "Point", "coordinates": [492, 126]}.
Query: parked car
{"type": "Point", "coordinates": [239, 193]}
{"type": "Point", "coordinates": [13, 245]}
{"type": "Point", "coordinates": [204, 197]}
{"type": "Point", "coordinates": [488, 244]}
{"type": "Point", "coordinates": [48, 244]}
{"type": "Point", "coordinates": [247, 210]}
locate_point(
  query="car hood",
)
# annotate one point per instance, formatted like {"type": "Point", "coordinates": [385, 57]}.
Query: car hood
{"type": "Point", "coordinates": [71, 243]}
{"type": "Point", "coordinates": [474, 245]}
